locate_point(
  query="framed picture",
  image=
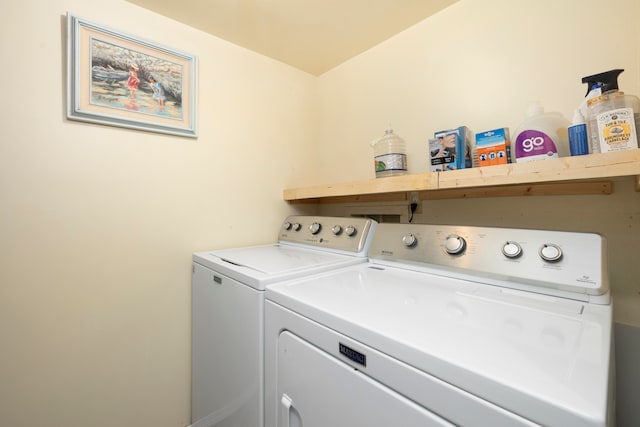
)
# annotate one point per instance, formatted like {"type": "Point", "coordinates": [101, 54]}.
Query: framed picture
{"type": "Point", "coordinates": [120, 80]}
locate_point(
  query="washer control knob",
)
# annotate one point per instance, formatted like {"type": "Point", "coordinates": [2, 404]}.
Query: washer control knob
{"type": "Point", "coordinates": [409, 240]}
{"type": "Point", "coordinates": [336, 229]}
{"type": "Point", "coordinates": [511, 250]}
{"type": "Point", "coordinates": [454, 244]}
{"type": "Point", "coordinates": [550, 252]}
{"type": "Point", "coordinates": [350, 230]}
{"type": "Point", "coordinates": [315, 228]}
{"type": "Point", "coordinates": [286, 226]}
{"type": "Point", "coordinates": [296, 226]}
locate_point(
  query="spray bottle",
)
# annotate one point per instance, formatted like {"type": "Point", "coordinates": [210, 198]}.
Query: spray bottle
{"type": "Point", "coordinates": [613, 118]}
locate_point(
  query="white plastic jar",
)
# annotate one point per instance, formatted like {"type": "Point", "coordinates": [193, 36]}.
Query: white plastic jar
{"type": "Point", "coordinates": [541, 136]}
{"type": "Point", "coordinates": [390, 155]}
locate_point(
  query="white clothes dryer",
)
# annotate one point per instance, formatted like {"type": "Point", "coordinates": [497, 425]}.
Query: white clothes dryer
{"type": "Point", "coordinates": [446, 325]}
{"type": "Point", "coordinates": [228, 310]}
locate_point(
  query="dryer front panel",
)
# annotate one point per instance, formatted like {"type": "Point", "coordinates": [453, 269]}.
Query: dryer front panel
{"type": "Point", "coordinates": [317, 390]}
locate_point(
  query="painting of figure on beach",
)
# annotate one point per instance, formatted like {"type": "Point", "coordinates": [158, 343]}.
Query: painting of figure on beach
{"type": "Point", "coordinates": [121, 80]}
{"type": "Point", "coordinates": [126, 79]}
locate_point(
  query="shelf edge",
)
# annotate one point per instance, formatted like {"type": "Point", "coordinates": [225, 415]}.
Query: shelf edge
{"type": "Point", "coordinates": [594, 166]}
{"type": "Point", "coordinates": [565, 169]}
{"type": "Point", "coordinates": [392, 184]}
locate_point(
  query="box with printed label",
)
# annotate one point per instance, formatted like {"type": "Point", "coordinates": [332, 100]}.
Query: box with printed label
{"type": "Point", "coordinates": [493, 147]}
{"type": "Point", "coordinates": [450, 150]}
{"type": "Point", "coordinates": [441, 159]}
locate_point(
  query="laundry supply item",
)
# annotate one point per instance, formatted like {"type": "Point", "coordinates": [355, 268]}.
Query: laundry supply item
{"type": "Point", "coordinates": [440, 159]}
{"type": "Point", "coordinates": [451, 149]}
{"type": "Point", "coordinates": [541, 136]}
{"type": "Point", "coordinates": [390, 155]}
{"type": "Point", "coordinates": [613, 118]}
{"type": "Point", "coordinates": [578, 139]}
{"type": "Point", "coordinates": [493, 147]}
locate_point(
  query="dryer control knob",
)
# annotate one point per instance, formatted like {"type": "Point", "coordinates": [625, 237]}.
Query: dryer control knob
{"type": "Point", "coordinates": [336, 229]}
{"type": "Point", "coordinates": [350, 230]}
{"type": "Point", "coordinates": [511, 250]}
{"type": "Point", "coordinates": [409, 240]}
{"type": "Point", "coordinates": [315, 228]}
{"type": "Point", "coordinates": [550, 252]}
{"type": "Point", "coordinates": [286, 226]}
{"type": "Point", "coordinates": [296, 226]}
{"type": "Point", "coordinates": [454, 244]}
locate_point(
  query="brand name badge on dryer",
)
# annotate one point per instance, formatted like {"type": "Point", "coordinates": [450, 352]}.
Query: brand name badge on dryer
{"type": "Point", "coordinates": [351, 354]}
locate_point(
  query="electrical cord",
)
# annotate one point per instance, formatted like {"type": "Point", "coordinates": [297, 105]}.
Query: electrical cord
{"type": "Point", "coordinates": [412, 209]}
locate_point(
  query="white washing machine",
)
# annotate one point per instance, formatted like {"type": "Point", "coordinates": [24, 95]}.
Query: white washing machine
{"type": "Point", "coordinates": [228, 310]}
{"type": "Point", "coordinates": [446, 325]}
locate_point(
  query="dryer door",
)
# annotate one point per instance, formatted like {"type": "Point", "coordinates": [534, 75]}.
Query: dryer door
{"type": "Point", "coordinates": [317, 390]}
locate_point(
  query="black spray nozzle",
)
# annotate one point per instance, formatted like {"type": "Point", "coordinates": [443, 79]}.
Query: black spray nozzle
{"type": "Point", "coordinates": [607, 81]}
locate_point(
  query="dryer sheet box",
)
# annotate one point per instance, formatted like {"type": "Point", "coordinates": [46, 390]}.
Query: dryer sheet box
{"type": "Point", "coordinates": [493, 147]}
{"type": "Point", "coordinates": [450, 150]}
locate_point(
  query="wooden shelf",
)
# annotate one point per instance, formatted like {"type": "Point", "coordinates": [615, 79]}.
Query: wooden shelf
{"type": "Point", "coordinates": [566, 175]}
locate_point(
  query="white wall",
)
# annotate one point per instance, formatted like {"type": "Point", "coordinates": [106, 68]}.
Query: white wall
{"type": "Point", "coordinates": [97, 223]}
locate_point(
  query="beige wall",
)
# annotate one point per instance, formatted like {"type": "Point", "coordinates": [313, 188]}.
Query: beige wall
{"type": "Point", "coordinates": [476, 63]}
{"type": "Point", "coordinates": [479, 63]}
{"type": "Point", "coordinates": [97, 224]}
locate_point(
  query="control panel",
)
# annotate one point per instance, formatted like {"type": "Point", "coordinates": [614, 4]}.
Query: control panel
{"type": "Point", "coordinates": [346, 234]}
{"type": "Point", "coordinates": [566, 261]}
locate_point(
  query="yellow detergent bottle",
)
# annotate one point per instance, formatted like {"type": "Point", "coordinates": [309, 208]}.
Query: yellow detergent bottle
{"type": "Point", "coordinates": [613, 118]}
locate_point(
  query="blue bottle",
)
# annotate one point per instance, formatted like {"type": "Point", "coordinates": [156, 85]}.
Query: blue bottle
{"type": "Point", "coordinates": [578, 140]}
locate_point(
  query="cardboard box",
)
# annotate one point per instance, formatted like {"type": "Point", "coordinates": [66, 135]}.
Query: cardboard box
{"type": "Point", "coordinates": [440, 160]}
{"type": "Point", "coordinates": [450, 150]}
{"type": "Point", "coordinates": [493, 147]}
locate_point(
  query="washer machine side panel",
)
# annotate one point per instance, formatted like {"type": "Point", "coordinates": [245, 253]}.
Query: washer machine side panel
{"type": "Point", "coordinates": [227, 351]}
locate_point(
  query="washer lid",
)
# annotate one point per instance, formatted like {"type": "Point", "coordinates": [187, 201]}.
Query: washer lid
{"type": "Point", "coordinates": [257, 266]}
{"type": "Point", "coordinates": [542, 357]}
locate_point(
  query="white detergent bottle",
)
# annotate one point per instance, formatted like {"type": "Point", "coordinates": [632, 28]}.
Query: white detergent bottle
{"type": "Point", "coordinates": [613, 118]}
{"type": "Point", "coordinates": [541, 136]}
{"type": "Point", "coordinates": [390, 155]}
